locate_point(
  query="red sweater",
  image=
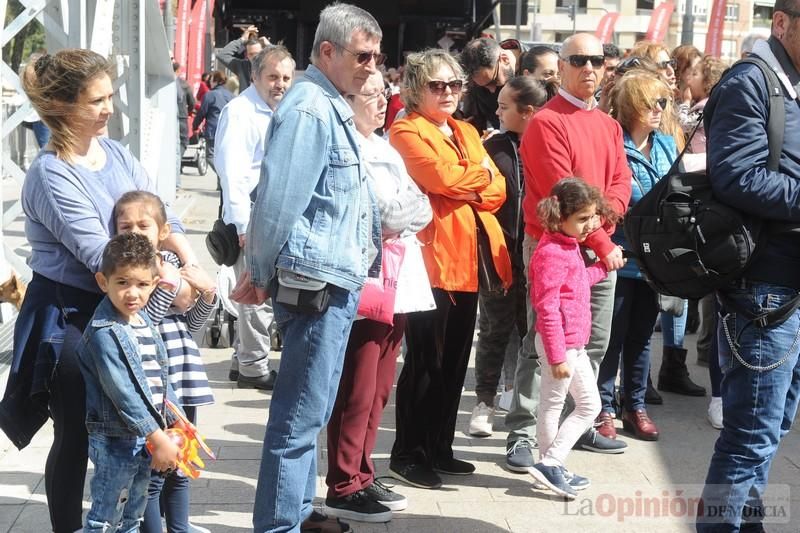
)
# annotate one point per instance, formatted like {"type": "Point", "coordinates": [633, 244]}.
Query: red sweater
{"type": "Point", "coordinates": [563, 140]}
{"type": "Point", "coordinates": [562, 294]}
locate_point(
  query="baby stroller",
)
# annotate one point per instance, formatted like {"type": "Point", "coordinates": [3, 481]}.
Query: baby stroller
{"type": "Point", "coordinates": [195, 154]}
{"type": "Point", "coordinates": [222, 328]}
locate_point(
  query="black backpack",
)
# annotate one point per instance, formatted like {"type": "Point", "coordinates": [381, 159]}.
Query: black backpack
{"type": "Point", "coordinates": [686, 242]}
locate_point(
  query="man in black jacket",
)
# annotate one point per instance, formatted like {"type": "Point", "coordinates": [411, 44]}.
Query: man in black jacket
{"type": "Point", "coordinates": [760, 363]}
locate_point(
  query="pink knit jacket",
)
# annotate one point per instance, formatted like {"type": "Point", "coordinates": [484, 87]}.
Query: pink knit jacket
{"type": "Point", "coordinates": [561, 292]}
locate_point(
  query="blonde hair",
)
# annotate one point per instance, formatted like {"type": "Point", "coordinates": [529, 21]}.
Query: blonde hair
{"type": "Point", "coordinates": [54, 83]}
{"type": "Point", "coordinates": [634, 94]}
{"type": "Point", "coordinates": [649, 49]}
{"type": "Point", "coordinates": [419, 70]}
{"type": "Point", "coordinates": [712, 69]}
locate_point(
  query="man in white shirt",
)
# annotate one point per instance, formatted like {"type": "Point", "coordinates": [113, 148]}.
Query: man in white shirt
{"type": "Point", "coordinates": [240, 142]}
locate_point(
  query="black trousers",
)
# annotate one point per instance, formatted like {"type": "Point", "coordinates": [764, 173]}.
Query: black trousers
{"type": "Point", "coordinates": [65, 470]}
{"type": "Point", "coordinates": [429, 387]}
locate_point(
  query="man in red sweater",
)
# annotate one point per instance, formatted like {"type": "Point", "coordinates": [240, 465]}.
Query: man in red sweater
{"type": "Point", "coordinates": [570, 136]}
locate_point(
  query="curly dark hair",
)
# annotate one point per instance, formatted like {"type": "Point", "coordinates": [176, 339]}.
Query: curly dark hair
{"type": "Point", "coordinates": [569, 196]}
{"type": "Point", "coordinates": [128, 250]}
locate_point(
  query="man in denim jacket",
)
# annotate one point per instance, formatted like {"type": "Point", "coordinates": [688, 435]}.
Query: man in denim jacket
{"type": "Point", "coordinates": [313, 216]}
{"type": "Point", "coordinates": [760, 365]}
{"type": "Point", "coordinates": [124, 365]}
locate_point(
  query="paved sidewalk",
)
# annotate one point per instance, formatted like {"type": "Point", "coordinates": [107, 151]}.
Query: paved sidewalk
{"type": "Point", "coordinates": [649, 478]}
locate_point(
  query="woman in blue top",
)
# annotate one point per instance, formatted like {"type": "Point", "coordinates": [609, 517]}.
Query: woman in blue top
{"type": "Point", "coordinates": [210, 109]}
{"type": "Point", "coordinates": [640, 100]}
{"type": "Point", "coordinates": [68, 198]}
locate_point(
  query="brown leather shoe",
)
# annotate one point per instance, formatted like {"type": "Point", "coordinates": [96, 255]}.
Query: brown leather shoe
{"type": "Point", "coordinates": [605, 425]}
{"type": "Point", "coordinates": [638, 423]}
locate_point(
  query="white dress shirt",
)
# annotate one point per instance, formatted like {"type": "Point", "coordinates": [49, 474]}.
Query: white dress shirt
{"type": "Point", "coordinates": [238, 151]}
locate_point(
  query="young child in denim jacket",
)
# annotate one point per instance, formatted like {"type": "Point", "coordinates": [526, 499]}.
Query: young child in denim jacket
{"type": "Point", "coordinates": [176, 313]}
{"type": "Point", "coordinates": [124, 366]}
{"type": "Point", "coordinates": [561, 297]}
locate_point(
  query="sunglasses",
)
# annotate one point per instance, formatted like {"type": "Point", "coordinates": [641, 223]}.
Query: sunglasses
{"type": "Point", "coordinates": [437, 86]}
{"type": "Point", "coordinates": [579, 60]}
{"type": "Point", "coordinates": [671, 63]}
{"type": "Point", "coordinates": [364, 58]}
{"type": "Point", "coordinates": [627, 64]}
{"type": "Point", "coordinates": [661, 103]}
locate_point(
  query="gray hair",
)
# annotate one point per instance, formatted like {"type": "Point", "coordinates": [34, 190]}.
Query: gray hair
{"type": "Point", "coordinates": [420, 69]}
{"type": "Point", "coordinates": [278, 51]}
{"type": "Point", "coordinates": [478, 54]}
{"type": "Point", "coordinates": [338, 22]}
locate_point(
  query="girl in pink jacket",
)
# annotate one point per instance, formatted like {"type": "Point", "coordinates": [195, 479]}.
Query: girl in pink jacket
{"type": "Point", "coordinates": [562, 283]}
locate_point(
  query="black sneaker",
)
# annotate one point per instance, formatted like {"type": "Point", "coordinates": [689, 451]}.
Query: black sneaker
{"type": "Point", "coordinates": [321, 523]}
{"type": "Point", "coordinates": [416, 475]}
{"type": "Point", "coordinates": [519, 456]}
{"type": "Point", "coordinates": [358, 506]}
{"type": "Point", "coordinates": [553, 478]}
{"type": "Point", "coordinates": [595, 442]}
{"type": "Point", "coordinates": [385, 496]}
{"type": "Point", "coordinates": [266, 382]}
{"type": "Point", "coordinates": [454, 467]}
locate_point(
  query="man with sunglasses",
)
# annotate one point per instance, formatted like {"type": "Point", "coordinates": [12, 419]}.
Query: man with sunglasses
{"type": "Point", "coordinates": [313, 237]}
{"type": "Point", "coordinates": [569, 136]}
{"type": "Point", "coordinates": [760, 365]}
{"type": "Point", "coordinates": [488, 66]}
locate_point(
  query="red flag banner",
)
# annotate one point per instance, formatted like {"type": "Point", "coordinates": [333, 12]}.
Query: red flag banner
{"type": "Point", "coordinates": [716, 25]}
{"type": "Point", "coordinates": [605, 29]}
{"type": "Point", "coordinates": [180, 53]}
{"type": "Point", "coordinates": [197, 44]}
{"type": "Point", "coordinates": [659, 22]}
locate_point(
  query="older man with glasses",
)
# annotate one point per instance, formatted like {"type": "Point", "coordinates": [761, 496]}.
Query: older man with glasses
{"type": "Point", "coordinates": [569, 136]}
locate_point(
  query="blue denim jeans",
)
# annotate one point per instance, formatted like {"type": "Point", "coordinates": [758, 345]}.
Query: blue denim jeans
{"type": "Point", "coordinates": [119, 485]}
{"type": "Point", "coordinates": [760, 390]}
{"type": "Point", "coordinates": [673, 328]}
{"type": "Point", "coordinates": [635, 313]}
{"type": "Point", "coordinates": [305, 391]}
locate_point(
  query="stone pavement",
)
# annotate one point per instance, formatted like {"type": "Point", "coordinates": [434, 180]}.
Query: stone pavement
{"type": "Point", "coordinates": [648, 488]}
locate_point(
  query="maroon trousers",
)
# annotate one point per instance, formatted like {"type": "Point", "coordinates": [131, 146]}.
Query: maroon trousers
{"type": "Point", "coordinates": [367, 379]}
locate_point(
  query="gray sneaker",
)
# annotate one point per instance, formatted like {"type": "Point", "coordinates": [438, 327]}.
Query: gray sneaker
{"type": "Point", "coordinates": [553, 478]}
{"type": "Point", "coordinates": [519, 456]}
{"type": "Point", "coordinates": [575, 481]}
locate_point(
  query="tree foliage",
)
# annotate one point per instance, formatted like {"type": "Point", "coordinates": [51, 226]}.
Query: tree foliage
{"type": "Point", "coordinates": [30, 39]}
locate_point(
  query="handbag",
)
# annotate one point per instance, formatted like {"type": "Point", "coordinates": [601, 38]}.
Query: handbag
{"type": "Point", "coordinates": [223, 241]}
{"type": "Point", "coordinates": [378, 294]}
{"type": "Point", "coordinates": [671, 304]}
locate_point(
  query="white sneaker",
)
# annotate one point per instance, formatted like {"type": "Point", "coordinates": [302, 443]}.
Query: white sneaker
{"type": "Point", "coordinates": [504, 402]}
{"type": "Point", "coordinates": [194, 528]}
{"type": "Point", "coordinates": [715, 412]}
{"type": "Point", "coordinates": [480, 423]}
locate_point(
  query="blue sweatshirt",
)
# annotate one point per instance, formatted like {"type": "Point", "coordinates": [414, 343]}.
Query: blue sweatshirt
{"type": "Point", "coordinates": [737, 160]}
{"type": "Point", "coordinates": [70, 209]}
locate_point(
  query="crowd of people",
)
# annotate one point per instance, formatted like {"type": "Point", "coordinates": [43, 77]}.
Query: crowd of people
{"type": "Point", "coordinates": [372, 206]}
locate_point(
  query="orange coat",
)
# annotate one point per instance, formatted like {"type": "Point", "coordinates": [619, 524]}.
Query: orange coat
{"type": "Point", "coordinates": [436, 164]}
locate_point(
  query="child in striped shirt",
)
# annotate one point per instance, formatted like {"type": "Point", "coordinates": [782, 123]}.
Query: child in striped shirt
{"type": "Point", "coordinates": [177, 313]}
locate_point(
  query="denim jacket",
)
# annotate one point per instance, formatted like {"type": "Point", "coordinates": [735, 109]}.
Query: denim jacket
{"type": "Point", "coordinates": [313, 213]}
{"type": "Point", "coordinates": [109, 355]}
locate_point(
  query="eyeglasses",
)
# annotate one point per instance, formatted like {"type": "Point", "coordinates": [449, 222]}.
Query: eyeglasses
{"type": "Point", "coordinates": [364, 58]}
{"type": "Point", "coordinates": [670, 63]}
{"type": "Point", "coordinates": [661, 103]}
{"type": "Point", "coordinates": [579, 60]}
{"type": "Point", "coordinates": [627, 64]}
{"type": "Point", "coordinates": [437, 86]}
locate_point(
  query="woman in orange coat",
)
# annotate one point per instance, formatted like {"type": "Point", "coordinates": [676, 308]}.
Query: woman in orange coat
{"type": "Point", "coordinates": [446, 159]}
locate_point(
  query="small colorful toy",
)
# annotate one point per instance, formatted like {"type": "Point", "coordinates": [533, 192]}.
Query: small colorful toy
{"type": "Point", "coordinates": [187, 440]}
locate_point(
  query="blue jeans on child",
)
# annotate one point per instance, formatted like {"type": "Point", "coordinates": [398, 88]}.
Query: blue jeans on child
{"type": "Point", "coordinates": [119, 485]}
{"type": "Point", "coordinates": [305, 391]}
{"type": "Point", "coordinates": [759, 404]}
